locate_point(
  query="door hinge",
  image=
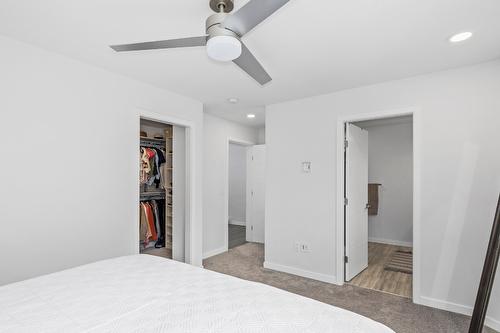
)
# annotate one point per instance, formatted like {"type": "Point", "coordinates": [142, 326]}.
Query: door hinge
{"type": "Point", "coordinates": [251, 193]}
{"type": "Point", "coordinates": [346, 259]}
{"type": "Point", "coordinates": [346, 201]}
{"type": "Point", "coordinates": [346, 144]}
{"type": "Point", "coordinates": [252, 157]}
{"type": "Point", "coordinates": [251, 227]}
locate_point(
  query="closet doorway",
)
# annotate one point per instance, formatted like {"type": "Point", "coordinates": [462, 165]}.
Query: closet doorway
{"type": "Point", "coordinates": [245, 193]}
{"type": "Point", "coordinates": [163, 200]}
{"type": "Point", "coordinates": [237, 203]}
{"type": "Point", "coordinates": [378, 197]}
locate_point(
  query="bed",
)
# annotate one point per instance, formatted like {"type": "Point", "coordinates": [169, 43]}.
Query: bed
{"type": "Point", "coordinates": [143, 293]}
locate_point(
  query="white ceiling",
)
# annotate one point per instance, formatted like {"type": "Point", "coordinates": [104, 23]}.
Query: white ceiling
{"type": "Point", "coordinates": [238, 113]}
{"type": "Point", "coordinates": [308, 47]}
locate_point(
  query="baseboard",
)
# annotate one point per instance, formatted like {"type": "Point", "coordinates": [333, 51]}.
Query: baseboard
{"type": "Point", "coordinates": [236, 222]}
{"type": "Point", "coordinates": [390, 242]}
{"type": "Point", "coordinates": [458, 308]}
{"type": "Point", "coordinates": [214, 252]}
{"type": "Point", "coordinates": [300, 272]}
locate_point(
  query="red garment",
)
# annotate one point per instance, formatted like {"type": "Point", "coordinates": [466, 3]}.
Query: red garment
{"type": "Point", "coordinates": [151, 221]}
{"type": "Point", "coordinates": [150, 152]}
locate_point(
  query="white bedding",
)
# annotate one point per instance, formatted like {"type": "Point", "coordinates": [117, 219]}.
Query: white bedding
{"type": "Point", "coordinates": [143, 293]}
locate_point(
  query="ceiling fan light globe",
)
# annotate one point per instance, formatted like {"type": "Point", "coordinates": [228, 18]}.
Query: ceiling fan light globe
{"type": "Point", "coordinates": [224, 48]}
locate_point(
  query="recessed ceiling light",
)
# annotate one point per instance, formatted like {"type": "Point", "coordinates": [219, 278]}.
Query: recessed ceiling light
{"type": "Point", "coordinates": [233, 100]}
{"type": "Point", "coordinates": [250, 116]}
{"type": "Point", "coordinates": [460, 37]}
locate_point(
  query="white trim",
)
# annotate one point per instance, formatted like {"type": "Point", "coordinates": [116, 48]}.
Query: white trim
{"type": "Point", "coordinates": [390, 242]}
{"type": "Point", "coordinates": [458, 308]}
{"type": "Point", "coordinates": [236, 222]}
{"type": "Point", "coordinates": [226, 184]}
{"type": "Point", "coordinates": [415, 112]}
{"type": "Point", "coordinates": [300, 272]}
{"type": "Point", "coordinates": [417, 156]}
{"type": "Point", "coordinates": [191, 179]}
{"type": "Point", "coordinates": [214, 252]}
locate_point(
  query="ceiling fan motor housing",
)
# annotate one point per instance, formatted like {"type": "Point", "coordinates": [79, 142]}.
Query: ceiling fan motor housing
{"type": "Point", "coordinates": [213, 27]}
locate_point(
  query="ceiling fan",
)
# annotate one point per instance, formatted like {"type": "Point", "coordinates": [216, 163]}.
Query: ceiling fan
{"type": "Point", "coordinates": [223, 35]}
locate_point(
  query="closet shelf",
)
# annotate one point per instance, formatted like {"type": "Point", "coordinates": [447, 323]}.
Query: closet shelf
{"type": "Point", "coordinates": [143, 138]}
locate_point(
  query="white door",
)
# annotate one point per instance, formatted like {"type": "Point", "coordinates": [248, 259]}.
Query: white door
{"type": "Point", "coordinates": [356, 213]}
{"type": "Point", "coordinates": [256, 189]}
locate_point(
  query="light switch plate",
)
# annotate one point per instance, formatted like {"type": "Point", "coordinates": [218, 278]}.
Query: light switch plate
{"type": "Point", "coordinates": [306, 167]}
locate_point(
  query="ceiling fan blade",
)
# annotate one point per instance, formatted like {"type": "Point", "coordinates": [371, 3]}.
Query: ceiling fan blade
{"type": "Point", "coordinates": [249, 64]}
{"type": "Point", "coordinates": [251, 14]}
{"type": "Point", "coordinates": [162, 44]}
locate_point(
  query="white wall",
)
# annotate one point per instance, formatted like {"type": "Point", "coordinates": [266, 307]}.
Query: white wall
{"type": "Point", "coordinates": [261, 139]}
{"type": "Point", "coordinates": [237, 183]}
{"type": "Point", "coordinates": [69, 172]}
{"type": "Point", "coordinates": [390, 163]}
{"type": "Point", "coordinates": [459, 178]}
{"type": "Point", "coordinates": [217, 132]}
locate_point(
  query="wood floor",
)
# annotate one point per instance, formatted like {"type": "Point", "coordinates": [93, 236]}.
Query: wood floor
{"type": "Point", "coordinates": [237, 235]}
{"type": "Point", "coordinates": [376, 278]}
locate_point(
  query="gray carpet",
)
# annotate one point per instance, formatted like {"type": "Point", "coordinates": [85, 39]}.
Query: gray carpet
{"type": "Point", "coordinates": [396, 312]}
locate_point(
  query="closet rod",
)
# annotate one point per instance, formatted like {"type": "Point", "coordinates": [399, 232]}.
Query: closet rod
{"type": "Point", "coordinates": [147, 145]}
{"type": "Point", "coordinates": [151, 196]}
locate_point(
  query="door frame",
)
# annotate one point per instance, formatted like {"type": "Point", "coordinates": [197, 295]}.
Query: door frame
{"type": "Point", "coordinates": [250, 199]}
{"type": "Point", "coordinates": [191, 180]}
{"type": "Point", "coordinates": [240, 142]}
{"type": "Point", "coordinates": [340, 230]}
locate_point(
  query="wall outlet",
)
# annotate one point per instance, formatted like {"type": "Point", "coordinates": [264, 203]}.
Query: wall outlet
{"type": "Point", "coordinates": [302, 247]}
{"type": "Point", "coordinates": [306, 167]}
{"type": "Point", "coordinates": [305, 248]}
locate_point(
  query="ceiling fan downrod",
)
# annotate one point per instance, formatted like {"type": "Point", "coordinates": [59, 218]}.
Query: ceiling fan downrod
{"type": "Point", "coordinates": [221, 6]}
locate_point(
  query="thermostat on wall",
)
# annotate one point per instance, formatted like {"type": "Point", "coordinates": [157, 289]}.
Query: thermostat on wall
{"type": "Point", "coordinates": [306, 167]}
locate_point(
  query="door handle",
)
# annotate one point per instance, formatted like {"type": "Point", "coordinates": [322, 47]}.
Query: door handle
{"type": "Point", "coordinates": [368, 206]}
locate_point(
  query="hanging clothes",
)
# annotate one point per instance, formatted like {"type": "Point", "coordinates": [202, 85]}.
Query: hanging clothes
{"type": "Point", "coordinates": [145, 226]}
{"type": "Point", "coordinates": [158, 210]}
{"type": "Point", "coordinates": [152, 161]}
{"type": "Point", "coordinates": [155, 169]}
{"type": "Point", "coordinates": [160, 162]}
{"type": "Point", "coordinates": [151, 221]}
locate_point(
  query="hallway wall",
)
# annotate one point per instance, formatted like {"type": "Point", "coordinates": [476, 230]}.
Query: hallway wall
{"type": "Point", "coordinates": [237, 183]}
{"type": "Point", "coordinates": [390, 163]}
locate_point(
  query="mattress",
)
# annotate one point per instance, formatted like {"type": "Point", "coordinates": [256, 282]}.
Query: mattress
{"type": "Point", "coordinates": [143, 293]}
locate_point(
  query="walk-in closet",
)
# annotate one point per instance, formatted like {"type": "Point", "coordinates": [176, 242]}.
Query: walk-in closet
{"type": "Point", "coordinates": [162, 188]}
